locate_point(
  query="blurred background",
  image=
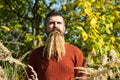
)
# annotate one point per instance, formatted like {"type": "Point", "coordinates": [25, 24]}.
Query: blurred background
{"type": "Point", "coordinates": [92, 25]}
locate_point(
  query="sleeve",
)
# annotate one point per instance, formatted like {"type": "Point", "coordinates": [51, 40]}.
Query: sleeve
{"type": "Point", "coordinates": [79, 62]}
{"type": "Point", "coordinates": [30, 68]}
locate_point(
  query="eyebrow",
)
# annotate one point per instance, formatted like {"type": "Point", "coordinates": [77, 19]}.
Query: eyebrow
{"type": "Point", "coordinates": [55, 21]}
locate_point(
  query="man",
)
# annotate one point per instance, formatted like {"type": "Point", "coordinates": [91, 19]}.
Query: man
{"type": "Point", "coordinates": [56, 60]}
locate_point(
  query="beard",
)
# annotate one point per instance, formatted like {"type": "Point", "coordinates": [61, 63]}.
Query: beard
{"type": "Point", "coordinates": [55, 45]}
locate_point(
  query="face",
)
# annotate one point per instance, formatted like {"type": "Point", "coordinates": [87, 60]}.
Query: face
{"type": "Point", "coordinates": [55, 23]}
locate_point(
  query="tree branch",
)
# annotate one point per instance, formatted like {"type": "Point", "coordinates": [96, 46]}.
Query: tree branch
{"type": "Point", "coordinates": [14, 11]}
{"type": "Point", "coordinates": [46, 5]}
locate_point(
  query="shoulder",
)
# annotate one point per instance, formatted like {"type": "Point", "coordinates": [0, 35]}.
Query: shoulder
{"type": "Point", "coordinates": [71, 46]}
{"type": "Point", "coordinates": [77, 53]}
{"type": "Point", "coordinates": [74, 49]}
{"type": "Point", "coordinates": [37, 51]}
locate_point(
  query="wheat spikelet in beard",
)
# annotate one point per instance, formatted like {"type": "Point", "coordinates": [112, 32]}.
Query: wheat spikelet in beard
{"type": "Point", "coordinates": [59, 42]}
{"type": "Point", "coordinates": [51, 47]}
{"type": "Point", "coordinates": [48, 47]}
{"type": "Point", "coordinates": [54, 45]}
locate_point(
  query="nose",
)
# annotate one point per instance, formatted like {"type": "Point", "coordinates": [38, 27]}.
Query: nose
{"type": "Point", "coordinates": [55, 25]}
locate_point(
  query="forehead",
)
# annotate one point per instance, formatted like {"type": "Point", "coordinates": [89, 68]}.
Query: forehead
{"type": "Point", "coordinates": [56, 18]}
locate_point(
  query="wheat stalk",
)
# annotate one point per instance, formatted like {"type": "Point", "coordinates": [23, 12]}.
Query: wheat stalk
{"type": "Point", "coordinates": [34, 76]}
{"type": "Point", "coordinates": [3, 76]}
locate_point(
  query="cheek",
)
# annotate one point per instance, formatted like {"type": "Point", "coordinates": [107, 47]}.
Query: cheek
{"type": "Point", "coordinates": [48, 29]}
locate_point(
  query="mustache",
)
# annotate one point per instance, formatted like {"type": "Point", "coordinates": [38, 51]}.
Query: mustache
{"type": "Point", "coordinates": [56, 29]}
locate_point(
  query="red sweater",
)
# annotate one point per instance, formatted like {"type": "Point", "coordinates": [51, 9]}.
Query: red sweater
{"type": "Point", "coordinates": [49, 69]}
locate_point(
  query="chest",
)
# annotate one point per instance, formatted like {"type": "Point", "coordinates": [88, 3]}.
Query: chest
{"type": "Point", "coordinates": [65, 65]}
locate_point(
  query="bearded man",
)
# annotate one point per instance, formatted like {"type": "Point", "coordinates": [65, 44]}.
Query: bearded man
{"type": "Point", "coordinates": [57, 59]}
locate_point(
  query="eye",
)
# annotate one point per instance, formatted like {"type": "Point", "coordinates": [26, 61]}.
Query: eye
{"type": "Point", "coordinates": [51, 23]}
{"type": "Point", "coordinates": [59, 23]}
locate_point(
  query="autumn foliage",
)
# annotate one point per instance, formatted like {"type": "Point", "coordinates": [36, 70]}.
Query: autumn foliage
{"type": "Point", "coordinates": [92, 25]}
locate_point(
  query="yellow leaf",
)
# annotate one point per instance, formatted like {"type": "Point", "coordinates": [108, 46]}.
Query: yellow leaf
{"type": "Point", "coordinates": [94, 33]}
{"type": "Point", "coordinates": [93, 22]}
{"type": "Point", "coordinates": [111, 7]}
{"type": "Point", "coordinates": [39, 37]}
{"type": "Point", "coordinates": [5, 28]}
{"type": "Point", "coordinates": [84, 35]}
{"type": "Point", "coordinates": [101, 42]}
{"type": "Point", "coordinates": [87, 4]}
{"type": "Point", "coordinates": [92, 0]}
{"type": "Point", "coordinates": [117, 13]}
{"type": "Point", "coordinates": [40, 43]}
{"type": "Point", "coordinates": [88, 10]}
{"type": "Point", "coordinates": [112, 39]}
{"type": "Point", "coordinates": [92, 61]}
{"type": "Point", "coordinates": [64, 8]}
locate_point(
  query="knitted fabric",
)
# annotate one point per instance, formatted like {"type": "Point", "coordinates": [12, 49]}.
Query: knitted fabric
{"type": "Point", "coordinates": [51, 69]}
